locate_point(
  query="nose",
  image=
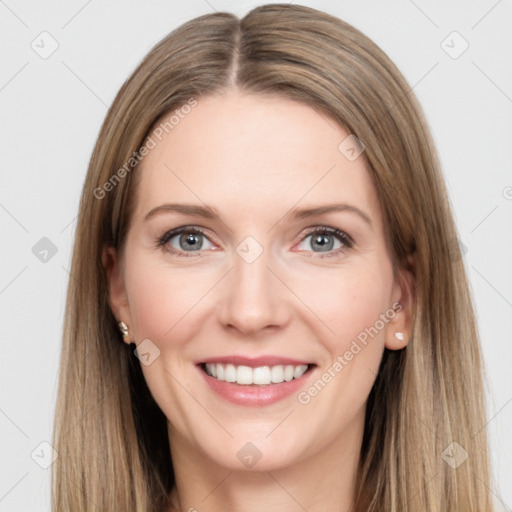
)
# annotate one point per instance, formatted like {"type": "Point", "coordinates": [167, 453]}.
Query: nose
{"type": "Point", "coordinates": [253, 298]}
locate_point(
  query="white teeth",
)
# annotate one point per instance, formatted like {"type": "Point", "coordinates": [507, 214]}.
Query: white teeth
{"type": "Point", "coordinates": [277, 374]}
{"type": "Point", "coordinates": [211, 370]}
{"type": "Point", "coordinates": [229, 373]}
{"type": "Point", "coordinates": [261, 375]}
{"type": "Point", "coordinates": [298, 372]}
{"type": "Point", "coordinates": [289, 373]}
{"type": "Point", "coordinates": [244, 375]}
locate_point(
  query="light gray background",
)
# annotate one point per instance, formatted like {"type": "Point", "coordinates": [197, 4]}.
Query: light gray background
{"type": "Point", "coordinates": [52, 110]}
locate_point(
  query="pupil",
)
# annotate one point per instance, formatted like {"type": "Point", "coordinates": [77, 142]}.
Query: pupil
{"type": "Point", "coordinates": [191, 239]}
{"type": "Point", "coordinates": [323, 242]}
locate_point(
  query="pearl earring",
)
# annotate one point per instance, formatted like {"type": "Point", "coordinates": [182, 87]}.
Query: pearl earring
{"type": "Point", "coordinates": [399, 335]}
{"type": "Point", "coordinates": [124, 330]}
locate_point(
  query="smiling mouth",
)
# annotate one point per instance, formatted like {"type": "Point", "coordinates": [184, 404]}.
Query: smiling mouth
{"type": "Point", "coordinates": [258, 376]}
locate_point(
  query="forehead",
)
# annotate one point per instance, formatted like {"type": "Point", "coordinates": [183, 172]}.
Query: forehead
{"type": "Point", "coordinates": [254, 155]}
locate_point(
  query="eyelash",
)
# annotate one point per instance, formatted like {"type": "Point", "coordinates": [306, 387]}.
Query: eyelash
{"type": "Point", "coordinates": [343, 237]}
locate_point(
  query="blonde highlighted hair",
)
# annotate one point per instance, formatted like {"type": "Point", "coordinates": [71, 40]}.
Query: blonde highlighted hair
{"type": "Point", "coordinates": [111, 436]}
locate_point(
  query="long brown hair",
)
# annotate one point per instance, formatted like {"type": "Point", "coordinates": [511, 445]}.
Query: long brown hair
{"type": "Point", "coordinates": [426, 408]}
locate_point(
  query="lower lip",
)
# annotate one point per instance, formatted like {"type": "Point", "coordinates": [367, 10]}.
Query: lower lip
{"type": "Point", "coordinates": [255, 395]}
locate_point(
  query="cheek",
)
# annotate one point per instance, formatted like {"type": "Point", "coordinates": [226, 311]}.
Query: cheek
{"type": "Point", "coordinates": [359, 307]}
{"type": "Point", "coordinates": [356, 306]}
{"type": "Point", "coordinates": [165, 306]}
{"type": "Point", "coordinates": [347, 302]}
{"type": "Point", "coordinates": [165, 301]}
{"type": "Point", "coordinates": [353, 302]}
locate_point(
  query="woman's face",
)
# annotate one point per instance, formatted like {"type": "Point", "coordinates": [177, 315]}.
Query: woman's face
{"type": "Point", "coordinates": [264, 288]}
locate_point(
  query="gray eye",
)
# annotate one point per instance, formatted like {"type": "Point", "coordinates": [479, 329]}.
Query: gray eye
{"type": "Point", "coordinates": [188, 241]}
{"type": "Point", "coordinates": [321, 242]}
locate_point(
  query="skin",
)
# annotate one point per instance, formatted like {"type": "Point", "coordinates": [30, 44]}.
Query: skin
{"type": "Point", "coordinates": [254, 158]}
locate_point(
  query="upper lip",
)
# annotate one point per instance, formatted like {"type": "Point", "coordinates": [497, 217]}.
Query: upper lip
{"type": "Point", "coordinates": [254, 362]}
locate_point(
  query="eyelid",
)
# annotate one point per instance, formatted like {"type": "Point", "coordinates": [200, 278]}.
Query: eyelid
{"type": "Point", "coordinates": [330, 230]}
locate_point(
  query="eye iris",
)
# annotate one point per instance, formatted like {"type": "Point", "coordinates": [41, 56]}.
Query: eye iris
{"type": "Point", "coordinates": [191, 238]}
{"type": "Point", "coordinates": [323, 241]}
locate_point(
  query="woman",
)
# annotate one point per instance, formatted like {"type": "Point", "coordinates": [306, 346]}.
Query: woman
{"type": "Point", "coordinates": [268, 307]}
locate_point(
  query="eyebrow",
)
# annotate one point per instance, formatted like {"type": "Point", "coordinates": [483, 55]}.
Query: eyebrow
{"type": "Point", "coordinates": [209, 212]}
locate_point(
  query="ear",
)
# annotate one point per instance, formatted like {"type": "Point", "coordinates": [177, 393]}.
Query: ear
{"type": "Point", "coordinates": [399, 328]}
{"type": "Point", "coordinates": [117, 297]}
